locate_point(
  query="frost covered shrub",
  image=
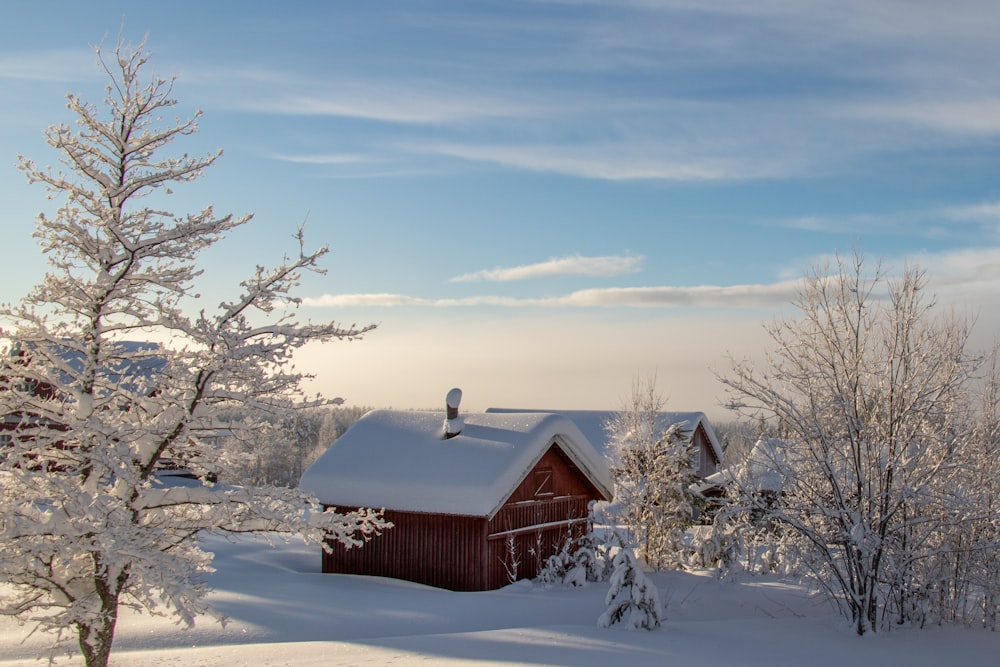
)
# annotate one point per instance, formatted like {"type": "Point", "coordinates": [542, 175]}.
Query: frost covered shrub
{"type": "Point", "coordinates": [745, 537]}
{"type": "Point", "coordinates": [581, 560]}
{"type": "Point", "coordinates": [718, 546]}
{"type": "Point", "coordinates": [557, 566]}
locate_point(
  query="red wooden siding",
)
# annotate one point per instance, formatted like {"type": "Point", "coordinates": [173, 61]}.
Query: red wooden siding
{"type": "Point", "coordinates": [465, 553]}
{"type": "Point", "coordinates": [440, 550]}
{"type": "Point", "coordinates": [542, 529]}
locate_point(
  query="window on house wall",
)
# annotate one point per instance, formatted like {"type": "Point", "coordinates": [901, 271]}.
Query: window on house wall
{"type": "Point", "coordinates": [543, 482]}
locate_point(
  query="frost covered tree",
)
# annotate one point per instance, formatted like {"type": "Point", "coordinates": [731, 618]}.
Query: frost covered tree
{"type": "Point", "coordinates": [964, 572]}
{"type": "Point", "coordinates": [654, 470]}
{"type": "Point", "coordinates": [260, 458]}
{"type": "Point", "coordinates": [870, 391]}
{"type": "Point", "coordinates": [86, 526]}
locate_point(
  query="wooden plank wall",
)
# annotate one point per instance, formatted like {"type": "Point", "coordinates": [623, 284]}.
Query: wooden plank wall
{"type": "Point", "coordinates": [440, 550]}
{"type": "Point", "coordinates": [542, 530]}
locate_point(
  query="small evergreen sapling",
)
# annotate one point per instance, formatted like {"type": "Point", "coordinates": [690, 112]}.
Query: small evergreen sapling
{"type": "Point", "coordinates": [632, 595]}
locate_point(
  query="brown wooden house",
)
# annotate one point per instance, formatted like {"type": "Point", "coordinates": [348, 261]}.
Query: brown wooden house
{"type": "Point", "coordinates": [477, 502]}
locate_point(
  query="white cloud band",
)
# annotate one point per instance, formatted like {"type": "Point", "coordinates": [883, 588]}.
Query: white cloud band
{"type": "Point", "coordinates": [606, 266]}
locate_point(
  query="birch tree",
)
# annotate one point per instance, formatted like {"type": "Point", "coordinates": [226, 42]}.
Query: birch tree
{"type": "Point", "coordinates": [87, 526]}
{"type": "Point", "coordinates": [870, 391]}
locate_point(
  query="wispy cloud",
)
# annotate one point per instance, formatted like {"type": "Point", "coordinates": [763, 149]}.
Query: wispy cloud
{"type": "Point", "coordinates": [364, 300]}
{"type": "Point", "coordinates": [703, 296]}
{"type": "Point", "coordinates": [707, 296]}
{"type": "Point", "coordinates": [984, 212]}
{"type": "Point", "coordinates": [393, 300]}
{"type": "Point", "coordinates": [924, 223]}
{"type": "Point", "coordinates": [910, 223]}
{"type": "Point", "coordinates": [401, 101]}
{"type": "Point", "coordinates": [973, 116]}
{"type": "Point", "coordinates": [809, 223]}
{"type": "Point", "coordinates": [326, 158]}
{"type": "Point", "coordinates": [612, 162]}
{"type": "Point", "coordinates": [607, 266]}
{"type": "Point", "coordinates": [57, 66]}
{"type": "Point", "coordinates": [359, 165]}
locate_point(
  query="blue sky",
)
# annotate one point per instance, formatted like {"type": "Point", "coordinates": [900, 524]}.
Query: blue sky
{"type": "Point", "coordinates": [539, 200]}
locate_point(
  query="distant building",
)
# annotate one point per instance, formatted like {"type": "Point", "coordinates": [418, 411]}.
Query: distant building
{"type": "Point", "coordinates": [695, 425]}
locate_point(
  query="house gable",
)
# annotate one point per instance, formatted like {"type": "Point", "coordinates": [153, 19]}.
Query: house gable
{"type": "Point", "coordinates": [708, 459]}
{"type": "Point", "coordinates": [550, 506]}
{"type": "Point", "coordinates": [554, 476]}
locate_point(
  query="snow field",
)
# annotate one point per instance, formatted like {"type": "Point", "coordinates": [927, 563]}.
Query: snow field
{"type": "Point", "coordinates": [284, 613]}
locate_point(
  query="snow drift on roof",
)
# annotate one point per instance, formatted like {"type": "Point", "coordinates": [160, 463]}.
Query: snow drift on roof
{"type": "Point", "coordinates": [765, 469]}
{"type": "Point", "coordinates": [401, 460]}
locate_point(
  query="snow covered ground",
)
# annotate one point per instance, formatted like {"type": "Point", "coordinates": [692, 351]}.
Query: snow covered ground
{"type": "Point", "coordinates": [282, 611]}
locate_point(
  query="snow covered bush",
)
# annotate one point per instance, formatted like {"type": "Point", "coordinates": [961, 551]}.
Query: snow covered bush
{"type": "Point", "coordinates": [580, 560]}
{"type": "Point", "coordinates": [718, 546]}
{"type": "Point", "coordinates": [86, 521]}
{"type": "Point", "coordinates": [632, 596]}
{"type": "Point", "coordinates": [557, 566]}
{"type": "Point", "coordinates": [745, 535]}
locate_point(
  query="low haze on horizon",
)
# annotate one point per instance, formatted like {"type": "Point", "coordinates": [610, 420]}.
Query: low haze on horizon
{"type": "Point", "coordinates": [537, 201]}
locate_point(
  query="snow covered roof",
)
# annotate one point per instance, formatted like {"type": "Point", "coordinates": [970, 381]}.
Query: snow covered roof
{"type": "Point", "coordinates": [765, 468]}
{"type": "Point", "coordinates": [401, 460]}
{"type": "Point", "coordinates": [592, 424]}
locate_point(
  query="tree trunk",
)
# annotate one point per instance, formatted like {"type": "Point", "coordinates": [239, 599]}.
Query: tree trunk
{"type": "Point", "coordinates": [96, 638]}
{"type": "Point", "coordinates": [96, 635]}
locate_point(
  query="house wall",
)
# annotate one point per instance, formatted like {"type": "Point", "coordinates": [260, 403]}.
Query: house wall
{"type": "Point", "coordinates": [464, 553]}
{"type": "Point", "coordinates": [520, 553]}
{"type": "Point", "coordinates": [442, 550]}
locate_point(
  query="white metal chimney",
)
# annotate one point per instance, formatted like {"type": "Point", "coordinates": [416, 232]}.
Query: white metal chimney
{"type": "Point", "coordinates": [452, 422]}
